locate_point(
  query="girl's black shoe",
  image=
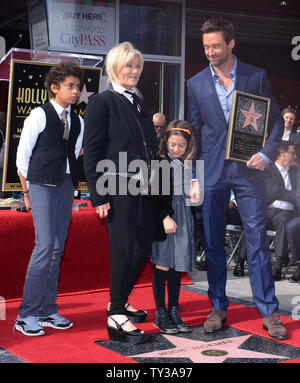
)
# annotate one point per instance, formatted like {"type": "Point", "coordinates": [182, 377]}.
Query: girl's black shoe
{"type": "Point", "coordinates": [163, 322]}
{"type": "Point", "coordinates": [180, 324]}
{"type": "Point", "coordinates": [119, 334]}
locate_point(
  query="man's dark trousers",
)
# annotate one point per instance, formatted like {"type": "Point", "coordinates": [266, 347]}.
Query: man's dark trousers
{"type": "Point", "coordinates": [277, 219]}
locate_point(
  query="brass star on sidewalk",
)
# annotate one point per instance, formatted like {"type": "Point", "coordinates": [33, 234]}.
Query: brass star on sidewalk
{"type": "Point", "coordinates": [207, 352]}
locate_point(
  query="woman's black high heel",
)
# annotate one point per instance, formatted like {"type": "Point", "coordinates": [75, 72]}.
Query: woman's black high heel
{"type": "Point", "coordinates": [138, 316]}
{"type": "Point", "coordinates": [119, 334]}
{"type": "Point", "coordinates": [135, 316]}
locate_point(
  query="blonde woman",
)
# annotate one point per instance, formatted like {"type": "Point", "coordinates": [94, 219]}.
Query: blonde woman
{"type": "Point", "coordinates": [117, 122]}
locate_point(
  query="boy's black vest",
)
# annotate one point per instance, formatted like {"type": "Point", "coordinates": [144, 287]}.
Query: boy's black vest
{"type": "Point", "coordinates": [49, 156]}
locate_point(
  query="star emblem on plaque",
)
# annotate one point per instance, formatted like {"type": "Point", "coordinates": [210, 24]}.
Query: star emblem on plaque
{"type": "Point", "coordinates": [248, 123]}
{"type": "Point", "coordinates": [251, 117]}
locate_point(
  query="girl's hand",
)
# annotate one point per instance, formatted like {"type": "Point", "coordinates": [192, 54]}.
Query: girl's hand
{"type": "Point", "coordinates": [169, 225]}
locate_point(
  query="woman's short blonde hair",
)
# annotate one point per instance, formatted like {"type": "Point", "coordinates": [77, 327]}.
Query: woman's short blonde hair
{"type": "Point", "coordinates": [118, 57]}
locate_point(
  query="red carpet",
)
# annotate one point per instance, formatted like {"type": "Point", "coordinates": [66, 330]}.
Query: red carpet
{"type": "Point", "coordinates": [84, 266]}
{"type": "Point", "coordinates": [87, 311]}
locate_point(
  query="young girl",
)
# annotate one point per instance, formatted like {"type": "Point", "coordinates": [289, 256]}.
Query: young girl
{"type": "Point", "coordinates": [173, 251]}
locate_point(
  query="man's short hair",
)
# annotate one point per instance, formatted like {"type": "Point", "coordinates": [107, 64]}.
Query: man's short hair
{"type": "Point", "coordinates": [284, 147]}
{"type": "Point", "coordinates": [219, 25]}
{"type": "Point", "coordinates": [289, 110]}
{"type": "Point", "coordinates": [160, 116]}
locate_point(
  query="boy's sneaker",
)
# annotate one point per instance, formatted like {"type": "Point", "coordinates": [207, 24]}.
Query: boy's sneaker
{"type": "Point", "coordinates": [55, 321]}
{"type": "Point", "coordinates": [29, 326]}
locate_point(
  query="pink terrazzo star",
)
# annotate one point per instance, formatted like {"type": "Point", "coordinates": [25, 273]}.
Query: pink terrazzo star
{"type": "Point", "coordinates": [207, 352]}
{"type": "Point", "coordinates": [251, 117]}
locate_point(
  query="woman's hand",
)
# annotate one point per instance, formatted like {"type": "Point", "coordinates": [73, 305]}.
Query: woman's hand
{"type": "Point", "coordinates": [102, 210]}
{"type": "Point", "coordinates": [169, 225]}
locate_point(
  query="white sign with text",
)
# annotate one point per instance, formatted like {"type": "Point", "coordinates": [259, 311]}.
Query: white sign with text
{"type": "Point", "coordinates": [81, 28]}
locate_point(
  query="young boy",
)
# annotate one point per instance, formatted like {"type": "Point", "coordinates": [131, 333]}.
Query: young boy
{"type": "Point", "coordinates": [46, 161]}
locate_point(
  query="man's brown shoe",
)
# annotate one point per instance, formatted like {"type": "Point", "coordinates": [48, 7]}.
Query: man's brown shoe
{"type": "Point", "coordinates": [274, 326]}
{"type": "Point", "coordinates": [215, 320]}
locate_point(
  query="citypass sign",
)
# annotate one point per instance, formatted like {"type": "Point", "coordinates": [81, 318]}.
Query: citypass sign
{"type": "Point", "coordinates": [79, 28]}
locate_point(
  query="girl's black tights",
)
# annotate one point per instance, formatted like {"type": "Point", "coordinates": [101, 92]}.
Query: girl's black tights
{"type": "Point", "coordinates": [173, 279]}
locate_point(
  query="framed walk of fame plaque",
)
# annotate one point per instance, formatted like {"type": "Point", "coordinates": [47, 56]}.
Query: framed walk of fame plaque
{"type": "Point", "coordinates": [248, 124]}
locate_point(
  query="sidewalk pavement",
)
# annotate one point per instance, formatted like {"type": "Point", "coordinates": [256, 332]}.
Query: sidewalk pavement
{"type": "Point", "coordinates": [239, 289]}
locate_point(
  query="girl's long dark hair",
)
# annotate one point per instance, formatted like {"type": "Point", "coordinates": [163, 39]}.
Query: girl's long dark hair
{"type": "Point", "coordinates": [179, 128]}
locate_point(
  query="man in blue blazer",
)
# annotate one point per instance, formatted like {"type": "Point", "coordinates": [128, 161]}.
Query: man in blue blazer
{"type": "Point", "coordinates": [209, 103]}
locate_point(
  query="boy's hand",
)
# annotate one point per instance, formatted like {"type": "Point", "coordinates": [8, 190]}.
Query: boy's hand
{"type": "Point", "coordinates": [27, 202]}
{"type": "Point", "coordinates": [169, 225]}
{"type": "Point", "coordinates": [80, 153]}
